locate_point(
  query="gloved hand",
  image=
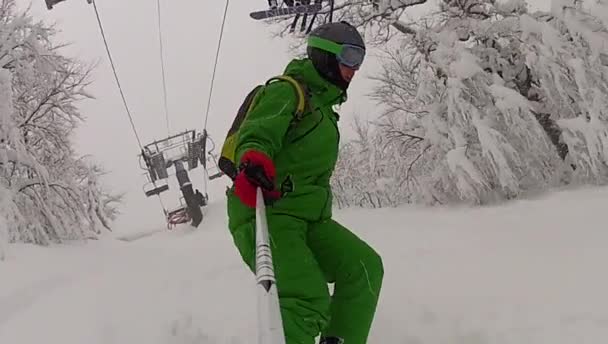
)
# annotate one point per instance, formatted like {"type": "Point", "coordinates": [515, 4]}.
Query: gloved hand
{"type": "Point", "coordinates": [256, 170]}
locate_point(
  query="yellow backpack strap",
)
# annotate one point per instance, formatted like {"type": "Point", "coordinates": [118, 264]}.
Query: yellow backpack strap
{"type": "Point", "coordinates": [301, 107]}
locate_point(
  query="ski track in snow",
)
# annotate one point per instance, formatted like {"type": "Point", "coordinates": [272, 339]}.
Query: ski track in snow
{"type": "Point", "coordinates": [528, 272]}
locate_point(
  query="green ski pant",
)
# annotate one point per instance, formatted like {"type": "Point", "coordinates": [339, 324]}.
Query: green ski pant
{"type": "Point", "coordinates": [307, 256]}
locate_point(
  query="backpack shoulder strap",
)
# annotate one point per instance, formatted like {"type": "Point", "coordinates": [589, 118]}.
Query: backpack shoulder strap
{"type": "Point", "coordinates": [301, 93]}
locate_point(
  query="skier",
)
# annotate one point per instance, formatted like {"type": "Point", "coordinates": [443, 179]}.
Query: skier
{"type": "Point", "coordinates": [309, 249]}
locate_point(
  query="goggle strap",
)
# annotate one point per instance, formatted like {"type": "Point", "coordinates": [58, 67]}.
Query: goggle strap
{"type": "Point", "coordinates": [324, 44]}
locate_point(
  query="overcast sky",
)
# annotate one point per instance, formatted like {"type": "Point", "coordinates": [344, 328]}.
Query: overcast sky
{"type": "Point", "coordinates": [190, 31]}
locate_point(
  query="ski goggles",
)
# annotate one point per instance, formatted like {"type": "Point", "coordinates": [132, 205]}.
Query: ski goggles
{"type": "Point", "coordinates": [347, 54]}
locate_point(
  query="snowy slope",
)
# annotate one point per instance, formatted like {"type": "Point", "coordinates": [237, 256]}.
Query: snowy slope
{"type": "Point", "coordinates": [527, 272]}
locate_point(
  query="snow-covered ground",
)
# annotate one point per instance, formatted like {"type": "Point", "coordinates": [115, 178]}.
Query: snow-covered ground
{"type": "Point", "coordinates": [528, 272]}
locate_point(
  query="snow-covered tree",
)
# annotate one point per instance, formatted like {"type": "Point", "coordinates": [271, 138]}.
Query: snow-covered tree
{"type": "Point", "coordinates": [48, 193]}
{"type": "Point", "coordinates": [366, 171]}
{"type": "Point", "coordinates": [485, 101]}
{"type": "Point", "coordinates": [568, 52]}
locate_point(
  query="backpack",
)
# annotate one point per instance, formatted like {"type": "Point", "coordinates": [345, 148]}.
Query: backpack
{"type": "Point", "coordinates": [226, 162]}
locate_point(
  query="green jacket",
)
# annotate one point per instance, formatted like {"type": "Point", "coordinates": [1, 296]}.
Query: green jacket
{"type": "Point", "coordinates": [304, 152]}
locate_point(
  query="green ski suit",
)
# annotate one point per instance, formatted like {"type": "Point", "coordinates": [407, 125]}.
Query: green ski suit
{"type": "Point", "coordinates": [309, 249]}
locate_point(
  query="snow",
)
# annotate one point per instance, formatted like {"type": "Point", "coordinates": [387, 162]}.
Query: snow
{"type": "Point", "coordinates": [464, 169]}
{"type": "Point", "coordinates": [532, 271]}
{"type": "Point", "coordinates": [465, 67]}
{"type": "Point", "coordinates": [499, 152]}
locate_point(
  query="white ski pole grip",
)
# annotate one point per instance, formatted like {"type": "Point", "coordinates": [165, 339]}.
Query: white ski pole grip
{"type": "Point", "coordinates": [270, 324]}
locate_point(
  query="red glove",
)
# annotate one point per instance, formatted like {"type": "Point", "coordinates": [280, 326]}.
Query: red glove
{"type": "Point", "coordinates": [256, 170]}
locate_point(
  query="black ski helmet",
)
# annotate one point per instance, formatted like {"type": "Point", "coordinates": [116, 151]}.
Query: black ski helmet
{"type": "Point", "coordinates": [325, 62]}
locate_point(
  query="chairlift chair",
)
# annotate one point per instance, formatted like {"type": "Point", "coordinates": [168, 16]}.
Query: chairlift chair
{"type": "Point", "coordinates": [187, 148]}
